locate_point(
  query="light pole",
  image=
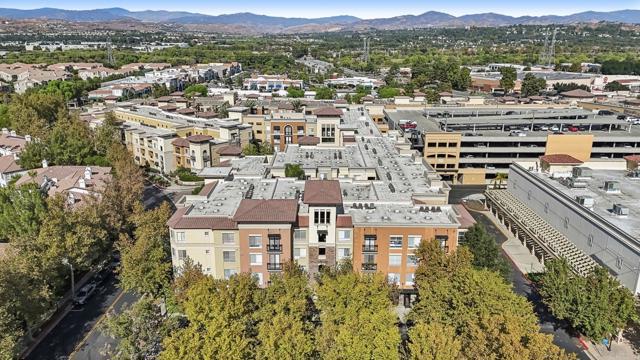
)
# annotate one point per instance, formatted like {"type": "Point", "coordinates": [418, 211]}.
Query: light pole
{"type": "Point", "coordinates": [65, 261]}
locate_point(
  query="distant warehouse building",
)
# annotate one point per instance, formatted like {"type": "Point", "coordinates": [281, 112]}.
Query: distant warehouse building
{"type": "Point", "coordinates": [585, 215]}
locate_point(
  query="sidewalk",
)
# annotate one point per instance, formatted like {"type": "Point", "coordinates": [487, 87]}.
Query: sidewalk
{"type": "Point", "coordinates": [619, 351]}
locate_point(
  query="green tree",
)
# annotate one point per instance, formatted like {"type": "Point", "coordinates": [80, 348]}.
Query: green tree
{"type": "Point", "coordinates": [294, 92]}
{"type": "Point", "coordinates": [286, 329]}
{"type": "Point", "coordinates": [324, 93]}
{"type": "Point", "coordinates": [195, 90]}
{"type": "Point", "coordinates": [35, 113]}
{"type": "Point", "coordinates": [575, 67]}
{"type": "Point", "coordinates": [159, 90]}
{"type": "Point", "coordinates": [139, 330]}
{"type": "Point", "coordinates": [222, 322]}
{"type": "Point", "coordinates": [508, 78]}
{"type": "Point", "coordinates": [532, 85]}
{"type": "Point", "coordinates": [356, 316]}
{"type": "Point", "coordinates": [5, 121]}
{"type": "Point", "coordinates": [10, 334]}
{"type": "Point", "coordinates": [106, 135]}
{"type": "Point", "coordinates": [485, 250]}
{"type": "Point", "coordinates": [616, 86]}
{"type": "Point", "coordinates": [22, 211]}
{"type": "Point", "coordinates": [70, 142]}
{"type": "Point", "coordinates": [433, 342]}
{"type": "Point", "coordinates": [32, 155]}
{"type": "Point", "coordinates": [563, 87]}
{"type": "Point", "coordinates": [146, 262]}
{"type": "Point", "coordinates": [294, 171]}
{"type": "Point", "coordinates": [386, 92]}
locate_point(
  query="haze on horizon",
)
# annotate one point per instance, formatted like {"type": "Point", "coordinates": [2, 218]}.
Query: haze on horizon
{"type": "Point", "coordinates": [360, 8]}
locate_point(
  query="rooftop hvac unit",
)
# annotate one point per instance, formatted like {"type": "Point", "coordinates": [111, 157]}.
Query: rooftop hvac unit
{"type": "Point", "coordinates": [586, 201]}
{"type": "Point", "coordinates": [612, 186]}
{"type": "Point", "coordinates": [581, 172]}
{"type": "Point", "coordinates": [634, 174]}
{"type": "Point", "coordinates": [576, 183]}
{"type": "Point", "coordinates": [620, 210]}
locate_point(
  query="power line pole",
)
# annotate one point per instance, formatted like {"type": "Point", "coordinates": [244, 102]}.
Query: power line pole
{"type": "Point", "coordinates": [552, 48]}
{"type": "Point", "coordinates": [110, 59]}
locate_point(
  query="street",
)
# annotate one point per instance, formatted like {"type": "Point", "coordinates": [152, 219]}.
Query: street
{"type": "Point", "coordinates": [78, 334]}
{"type": "Point", "coordinates": [548, 324]}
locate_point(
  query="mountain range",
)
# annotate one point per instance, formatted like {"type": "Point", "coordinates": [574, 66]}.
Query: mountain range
{"type": "Point", "coordinates": [264, 23]}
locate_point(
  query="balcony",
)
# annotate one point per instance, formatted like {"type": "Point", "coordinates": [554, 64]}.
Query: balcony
{"type": "Point", "coordinates": [370, 248]}
{"type": "Point", "coordinates": [274, 248]}
{"type": "Point", "coordinates": [274, 266]}
{"type": "Point", "coordinates": [369, 266]}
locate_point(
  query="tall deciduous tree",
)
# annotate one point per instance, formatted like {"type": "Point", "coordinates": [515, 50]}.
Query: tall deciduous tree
{"type": "Point", "coordinates": [22, 211]}
{"type": "Point", "coordinates": [357, 317]}
{"type": "Point", "coordinates": [485, 250]}
{"type": "Point", "coordinates": [433, 342]}
{"type": "Point", "coordinates": [532, 85]}
{"type": "Point", "coordinates": [146, 264]}
{"type": "Point", "coordinates": [508, 79]}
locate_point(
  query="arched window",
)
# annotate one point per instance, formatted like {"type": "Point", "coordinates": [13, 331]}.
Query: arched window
{"type": "Point", "coordinates": [288, 134]}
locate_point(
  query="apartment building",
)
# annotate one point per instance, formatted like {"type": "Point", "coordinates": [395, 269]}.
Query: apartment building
{"type": "Point", "coordinates": [270, 83]}
{"type": "Point", "coordinates": [472, 145]}
{"type": "Point", "coordinates": [164, 140]}
{"type": "Point", "coordinates": [370, 199]}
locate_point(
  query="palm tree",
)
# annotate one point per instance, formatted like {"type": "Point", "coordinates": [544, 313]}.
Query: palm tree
{"type": "Point", "coordinates": [251, 104]}
{"type": "Point", "coordinates": [297, 105]}
{"type": "Point", "coordinates": [499, 179]}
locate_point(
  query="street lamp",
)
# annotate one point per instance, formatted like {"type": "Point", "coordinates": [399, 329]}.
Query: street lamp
{"type": "Point", "coordinates": [65, 261]}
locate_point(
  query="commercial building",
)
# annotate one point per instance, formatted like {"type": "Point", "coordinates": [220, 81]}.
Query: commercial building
{"type": "Point", "coordinates": [588, 216]}
{"type": "Point", "coordinates": [270, 83]}
{"type": "Point", "coordinates": [366, 197]}
{"type": "Point", "coordinates": [471, 145]}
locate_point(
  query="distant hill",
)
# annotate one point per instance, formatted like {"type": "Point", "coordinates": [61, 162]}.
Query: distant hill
{"type": "Point", "coordinates": [268, 24]}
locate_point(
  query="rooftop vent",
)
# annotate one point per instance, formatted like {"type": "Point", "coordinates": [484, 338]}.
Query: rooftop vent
{"type": "Point", "coordinates": [586, 201]}
{"type": "Point", "coordinates": [581, 172]}
{"type": "Point", "coordinates": [620, 210]}
{"type": "Point", "coordinates": [612, 186]}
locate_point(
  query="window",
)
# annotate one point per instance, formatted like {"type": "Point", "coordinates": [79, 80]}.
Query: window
{"type": "Point", "coordinates": [395, 241]}
{"type": "Point", "coordinates": [321, 216]}
{"type": "Point", "coordinates": [412, 260]}
{"type": "Point", "coordinates": [395, 260]}
{"type": "Point", "coordinates": [288, 134]}
{"type": "Point", "coordinates": [180, 236]}
{"type": "Point", "coordinates": [208, 270]}
{"type": "Point", "coordinates": [299, 235]}
{"type": "Point", "coordinates": [413, 241]}
{"type": "Point", "coordinates": [255, 259]}
{"type": "Point", "coordinates": [228, 239]}
{"type": "Point", "coordinates": [442, 144]}
{"type": "Point", "coordinates": [344, 235]}
{"type": "Point", "coordinates": [229, 256]}
{"type": "Point", "coordinates": [393, 278]}
{"type": "Point", "coordinates": [299, 253]}
{"type": "Point", "coordinates": [328, 132]}
{"type": "Point", "coordinates": [431, 144]}
{"type": "Point", "coordinates": [182, 254]}
{"type": "Point", "coordinates": [442, 239]}
{"type": "Point", "coordinates": [255, 241]}
{"type": "Point", "coordinates": [322, 251]}
{"type": "Point", "coordinates": [344, 253]}
{"type": "Point", "coordinates": [258, 277]}
{"type": "Point", "coordinates": [207, 251]}
{"type": "Point", "coordinates": [369, 258]}
{"type": "Point", "coordinates": [206, 235]}
{"type": "Point", "coordinates": [322, 236]}
{"type": "Point", "coordinates": [408, 279]}
{"type": "Point", "coordinates": [228, 273]}
{"type": "Point", "coordinates": [173, 251]}
{"type": "Point", "coordinates": [452, 144]}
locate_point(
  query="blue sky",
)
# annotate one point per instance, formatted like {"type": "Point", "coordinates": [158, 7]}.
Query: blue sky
{"type": "Point", "coordinates": [360, 8]}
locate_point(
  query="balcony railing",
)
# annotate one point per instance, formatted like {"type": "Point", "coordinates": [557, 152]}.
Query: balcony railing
{"type": "Point", "coordinates": [274, 266]}
{"type": "Point", "coordinates": [370, 248]}
{"type": "Point", "coordinates": [274, 248]}
{"type": "Point", "coordinates": [369, 267]}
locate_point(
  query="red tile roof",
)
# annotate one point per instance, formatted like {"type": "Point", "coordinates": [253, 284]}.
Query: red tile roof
{"type": "Point", "coordinates": [635, 158]}
{"type": "Point", "coordinates": [267, 211]}
{"type": "Point", "coordinates": [322, 192]}
{"type": "Point", "coordinates": [208, 188]}
{"type": "Point", "coordinates": [199, 138]}
{"type": "Point", "coordinates": [308, 140]}
{"type": "Point", "coordinates": [344, 221]}
{"type": "Point", "coordinates": [8, 164]}
{"type": "Point", "coordinates": [328, 111]}
{"type": "Point", "coordinates": [560, 159]}
{"type": "Point", "coordinates": [179, 220]}
{"type": "Point", "coordinates": [303, 220]}
{"type": "Point", "coordinates": [181, 142]}
{"type": "Point", "coordinates": [230, 150]}
{"type": "Point", "coordinates": [577, 93]}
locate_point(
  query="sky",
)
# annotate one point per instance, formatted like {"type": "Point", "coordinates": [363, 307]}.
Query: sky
{"type": "Point", "coordinates": [362, 8]}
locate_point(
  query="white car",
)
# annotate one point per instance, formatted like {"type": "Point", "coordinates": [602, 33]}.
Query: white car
{"type": "Point", "coordinates": [84, 294]}
{"type": "Point", "coordinates": [544, 128]}
{"type": "Point", "coordinates": [555, 128]}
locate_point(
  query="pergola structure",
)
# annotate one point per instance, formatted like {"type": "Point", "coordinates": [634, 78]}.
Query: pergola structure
{"type": "Point", "coordinates": [542, 239]}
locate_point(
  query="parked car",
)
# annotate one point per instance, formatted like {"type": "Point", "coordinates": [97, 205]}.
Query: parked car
{"type": "Point", "coordinates": [573, 128]}
{"type": "Point", "coordinates": [605, 112]}
{"type": "Point", "coordinates": [84, 294]}
{"type": "Point", "coordinates": [544, 128]}
{"type": "Point", "coordinates": [555, 128]}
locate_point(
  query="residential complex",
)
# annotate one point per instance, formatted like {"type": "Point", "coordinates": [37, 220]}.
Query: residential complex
{"type": "Point", "coordinates": [365, 196]}
{"type": "Point", "coordinates": [270, 83]}
{"type": "Point", "coordinates": [584, 214]}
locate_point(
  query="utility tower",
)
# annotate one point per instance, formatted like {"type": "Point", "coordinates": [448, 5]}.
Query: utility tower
{"type": "Point", "coordinates": [552, 49]}
{"type": "Point", "coordinates": [549, 52]}
{"type": "Point", "coordinates": [110, 59]}
{"type": "Point", "coordinates": [544, 54]}
{"type": "Point", "coordinates": [366, 49]}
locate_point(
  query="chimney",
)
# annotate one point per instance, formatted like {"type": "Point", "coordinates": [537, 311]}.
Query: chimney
{"type": "Point", "coordinates": [87, 173]}
{"type": "Point", "coordinates": [45, 164]}
{"type": "Point", "coordinates": [27, 138]}
{"type": "Point", "coordinates": [5, 131]}
{"type": "Point", "coordinates": [16, 157]}
{"type": "Point", "coordinates": [13, 133]}
{"type": "Point", "coordinates": [82, 183]}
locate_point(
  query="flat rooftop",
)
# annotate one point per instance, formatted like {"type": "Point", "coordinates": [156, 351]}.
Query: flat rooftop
{"type": "Point", "coordinates": [628, 197]}
{"type": "Point", "coordinates": [401, 214]}
{"type": "Point", "coordinates": [180, 120]}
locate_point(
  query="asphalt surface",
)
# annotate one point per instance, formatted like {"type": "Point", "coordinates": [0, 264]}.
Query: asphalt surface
{"type": "Point", "coordinates": [548, 324]}
{"type": "Point", "coordinates": [78, 334]}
